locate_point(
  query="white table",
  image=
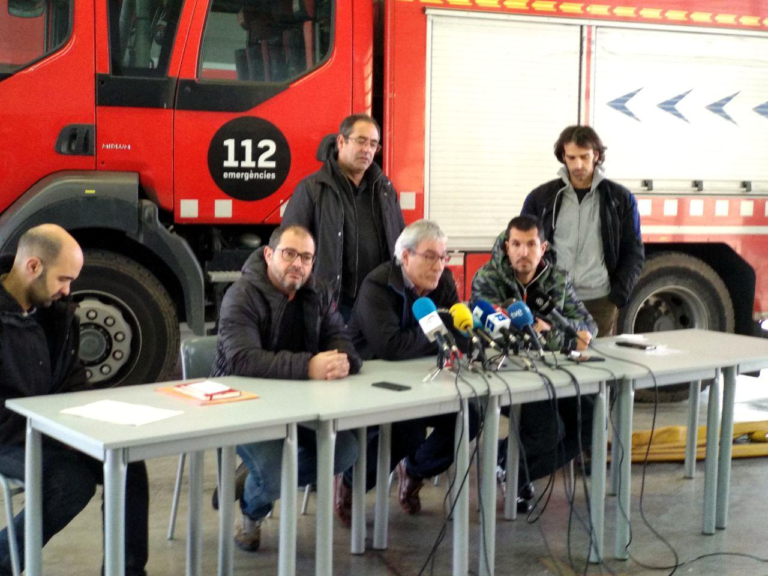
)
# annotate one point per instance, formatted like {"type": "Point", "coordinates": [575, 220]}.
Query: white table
{"type": "Point", "coordinates": [273, 416]}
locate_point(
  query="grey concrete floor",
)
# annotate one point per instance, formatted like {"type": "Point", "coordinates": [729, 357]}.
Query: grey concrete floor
{"type": "Point", "coordinates": [671, 505]}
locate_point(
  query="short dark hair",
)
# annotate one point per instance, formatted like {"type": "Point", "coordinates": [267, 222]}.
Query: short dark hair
{"type": "Point", "coordinates": [348, 124]}
{"type": "Point", "coordinates": [583, 137]}
{"type": "Point", "coordinates": [277, 234]}
{"type": "Point", "coordinates": [35, 242]}
{"type": "Point", "coordinates": [524, 223]}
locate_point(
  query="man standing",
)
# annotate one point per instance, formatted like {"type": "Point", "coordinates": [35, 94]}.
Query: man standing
{"type": "Point", "coordinates": [550, 435]}
{"type": "Point", "coordinates": [39, 344]}
{"type": "Point", "coordinates": [277, 321]}
{"type": "Point", "coordinates": [383, 326]}
{"type": "Point", "coordinates": [593, 225]}
{"type": "Point", "coordinates": [350, 207]}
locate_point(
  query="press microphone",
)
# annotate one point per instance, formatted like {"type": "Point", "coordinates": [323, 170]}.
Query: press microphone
{"type": "Point", "coordinates": [429, 320]}
{"type": "Point", "coordinates": [497, 324]}
{"type": "Point", "coordinates": [522, 319]}
{"type": "Point", "coordinates": [465, 322]}
{"type": "Point", "coordinates": [544, 304]}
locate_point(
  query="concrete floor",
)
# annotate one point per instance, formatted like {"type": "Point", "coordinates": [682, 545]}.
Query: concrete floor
{"type": "Point", "coordinates": [672, 505]}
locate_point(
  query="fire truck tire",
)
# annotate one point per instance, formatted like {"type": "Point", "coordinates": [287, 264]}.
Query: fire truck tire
{"type": "Point", "coordinates": [129, 328]}
{"type": "Point", "coordinates": [676, 291]}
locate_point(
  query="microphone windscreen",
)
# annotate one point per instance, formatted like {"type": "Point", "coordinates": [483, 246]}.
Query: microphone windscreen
{"type": "Point", "coordinates": [520, 314]}
{"type": "Point", "coordinates": [422, 307]}
{"type": "Point", "coordinates": [462, 317]}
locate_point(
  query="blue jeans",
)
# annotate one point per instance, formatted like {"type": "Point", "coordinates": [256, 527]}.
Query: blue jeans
{"type": "Point", "coordinates": [264, 462]}
{"type": "Point", "coordinates": [69, 483]}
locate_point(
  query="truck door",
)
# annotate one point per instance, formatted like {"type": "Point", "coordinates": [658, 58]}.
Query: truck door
{"type": "Point", "coordinates": [261, 83]}
{"type": "Point", "coordinates": [46, 90]}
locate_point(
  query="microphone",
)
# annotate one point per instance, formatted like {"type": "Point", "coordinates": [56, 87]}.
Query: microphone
{"type": "Point", "coordinates": [480, 331]}
{"type": "Point", "coordinates": [497, 324]}
{"type": "Point", "coordinates": [544, 304]}
{"type": "Point", "coordinates": [522, 319]}
{"type": "Point", "coordinates": [466, 323]}
{"type": "Point", "coordinates": [434, 329]}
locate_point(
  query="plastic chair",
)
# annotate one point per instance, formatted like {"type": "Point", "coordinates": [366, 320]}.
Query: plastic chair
{"type": "Point", "coordinates": [11, 487]}
{"type": "Point", "coordinates": [197, 357]}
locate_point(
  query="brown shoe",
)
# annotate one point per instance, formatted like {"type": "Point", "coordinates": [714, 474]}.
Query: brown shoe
{"type": "Point", "coordinates": [342, 501]}
{"type": "Point", "coordinates": [241, 475]}
{"type": "Point", "coordinates": [408, 490]}
{"type": "Point", "coordinates": [248, 534]}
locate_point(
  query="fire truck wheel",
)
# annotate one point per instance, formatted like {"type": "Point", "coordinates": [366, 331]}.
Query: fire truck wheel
{"type": "Point", "coordinates": [676, 291]}
{"type": "Point", "coordinates": [129, 329]}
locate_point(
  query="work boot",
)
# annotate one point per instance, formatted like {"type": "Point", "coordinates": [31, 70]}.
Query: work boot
{"type": "Point", "coordinates": [241, 474]}
{"type": "Point", "coordinates": [408, 490]}
{"type": "Point", "coordinates": [342, 501]}
{"type": "Point", "coordinates": [248, 534]}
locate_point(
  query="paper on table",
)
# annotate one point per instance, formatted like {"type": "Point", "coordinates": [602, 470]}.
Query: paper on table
{"type": "Point", "coordinates": [121, 412]}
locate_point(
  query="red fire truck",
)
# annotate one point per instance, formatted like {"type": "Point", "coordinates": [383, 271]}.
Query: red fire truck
{"type": "Point", "coordinates": [168, 137]}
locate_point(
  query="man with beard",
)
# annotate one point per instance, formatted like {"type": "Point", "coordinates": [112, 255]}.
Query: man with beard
{"type": "Point", "coordinates": [277, 321]}
{"type": "Point", "coordinates": [350, 207]}
{"type": "Point", "coordinates": [39, 343]}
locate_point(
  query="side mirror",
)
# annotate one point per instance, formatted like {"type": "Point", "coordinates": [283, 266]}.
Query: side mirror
{"type": "Point", "coordinates": [26, 8]}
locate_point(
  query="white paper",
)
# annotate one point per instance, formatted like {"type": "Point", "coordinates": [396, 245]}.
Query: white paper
{"type": "Point", "coordinates": [121, 412]}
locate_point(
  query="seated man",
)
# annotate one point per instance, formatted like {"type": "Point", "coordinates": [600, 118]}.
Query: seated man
{"type": "Point", "coordinates": [277, 321]}
{"type": "Point", "coordinates": [383, 326]}
{"type": "Point", "coordinates": [39, 345]}
{"type": "Point", "coordinates": [517, 267]}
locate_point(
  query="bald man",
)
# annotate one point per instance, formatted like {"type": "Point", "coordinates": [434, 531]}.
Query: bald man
{"type": "Point", "coordinates": [39, 341]}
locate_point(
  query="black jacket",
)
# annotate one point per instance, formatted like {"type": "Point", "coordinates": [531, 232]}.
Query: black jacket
{"type": "Point", "coordinates": [316, 204]}
{"type": "Point", "coordinates": [383, 325]}
{"type": "Point", "coordinates": [622, 243]}
{"type": "Point", "coordinates": [38, 355]}
{"type": "Point", "coordinates": [249, 327]}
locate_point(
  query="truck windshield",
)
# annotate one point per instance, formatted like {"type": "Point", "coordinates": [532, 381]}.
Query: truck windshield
{"type": "Point", "coordinates": [30, 30]}
{"type": "Point", "coordinates": [265, 40]}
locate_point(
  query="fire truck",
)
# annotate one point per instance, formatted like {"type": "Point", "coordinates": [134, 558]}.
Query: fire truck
{"type": "Point", "coordinates": [168, 136]}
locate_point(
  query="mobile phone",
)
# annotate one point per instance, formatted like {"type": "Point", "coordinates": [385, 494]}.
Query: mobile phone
{"type": "Point", "coordinates": [579, 357]}
{"type": "Point", "coordinates": [391, 386]}
{"type": "Point", "coordinates": [636, 345]}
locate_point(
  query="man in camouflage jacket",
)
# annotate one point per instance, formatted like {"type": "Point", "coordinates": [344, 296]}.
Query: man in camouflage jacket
{"type": "Point", "coordinates": [517, 268]}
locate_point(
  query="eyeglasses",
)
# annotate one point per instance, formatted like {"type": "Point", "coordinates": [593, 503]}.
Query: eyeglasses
{"type": "Point", "coordinates": [432, 257]}
{"type": "Point", "coordinates": [364, 142]}
{"type": "Point", "coordinates": [290, 255]}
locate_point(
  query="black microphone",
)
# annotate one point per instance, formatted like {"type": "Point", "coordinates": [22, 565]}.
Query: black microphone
{"type": "Point", "coordinates": [545, 306]}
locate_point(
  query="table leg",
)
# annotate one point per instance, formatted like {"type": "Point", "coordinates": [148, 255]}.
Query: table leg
{"type": "Point", "coordinates": [195, 515]}
{"type": "Point", "coordinates": [114, 512]}
{"type": "Point", "coordinates": [613, 427]}
{"type": "Point", "coordinates": [710, 473]}
{"type": "Point", "coordinates": [381, 520]}
{"type": "Point", "coordinates": [226, 512]}
{"type": "Point", "coordinates": [358, 494]}
{"type": "Point", "coordinates": [326, 440]}
{"type": "Point", "coordinates": [726, 440]}
{"type": "Point", "coordinates": [288, 507]}
{"type": "Point", "coordinates": [694, 402]}
{"type": "Point", "coordinates": [599, 456]}
{"type": "Point", "coordinates": [488, 488]}
{"type": "Point", "coordinates": [33, 507]}
{"type": "Point", "coordinates": [513, 463]}
{"type": "Point", "coordinates": [625, 399]}
{"type": "Point", "coordinates": [461, 494]}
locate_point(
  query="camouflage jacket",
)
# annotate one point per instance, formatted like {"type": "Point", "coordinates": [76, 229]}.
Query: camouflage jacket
{"type": "Point", "coordinates": [496, 282]}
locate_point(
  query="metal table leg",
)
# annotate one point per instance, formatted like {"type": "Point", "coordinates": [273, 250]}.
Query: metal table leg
{"type": "Point", "coordinates": [599, 457]}
{"type": "Point", "coordinates": [114, 512]}
{"type": "Point", "coordinates": [513, 463]}
{"type": "Point", "coordinates": [288, 492]}
{"type": "Point", "coordinates": [195, 517]}
{"type": "Point", "coordinates": [710, 475]}
{"type": "Point", "coordinates": [613, 427]}
{"type": "Point", "coordinates": [326, 440]}
{"type": "Point", "coordinates": [358, 494]}
{"type": "Point", "coordinates": [461, 495]}
{"type": "Point", "coordinates": [726, 440]}
{"type": "Point", "coordinates": [625, 399]}
{"type": "Point", "coordinates": [226, 515]}
{"type": "Point", "coordinates": [487, 549]}
{"type": "Point", "coordinates": [33, 494]}
{"type": "Point", "coordinates": [694, 402]}
{"type": "Point", "coordinates": [381, 521]}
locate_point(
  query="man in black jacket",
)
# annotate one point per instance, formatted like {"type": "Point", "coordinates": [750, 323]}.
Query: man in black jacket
{"type": "Point", "coordinates": [593, 225]}
{"type": "Point", "coordinates": [39, 343]}
{"type": "Point", "coordinates": [350, 207]}
{"type": "Point", "coordinates": [277, 321]}
{"type": "Point", "coordinates": [383, 326]}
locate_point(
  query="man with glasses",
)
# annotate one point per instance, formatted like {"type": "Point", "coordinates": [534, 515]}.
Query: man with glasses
{"type": "Point", "coordinates": [277, 321]}
{"type": "Point", "coordinates": [383, 326]}
{"type": "Point", "coordinates": [351, 208]}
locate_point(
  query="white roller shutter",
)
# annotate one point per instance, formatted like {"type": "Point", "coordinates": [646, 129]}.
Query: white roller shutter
{"type": "Point", "coordinates": [712, 133]}
{"type": "Point", "coordinates": [499, 91]}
